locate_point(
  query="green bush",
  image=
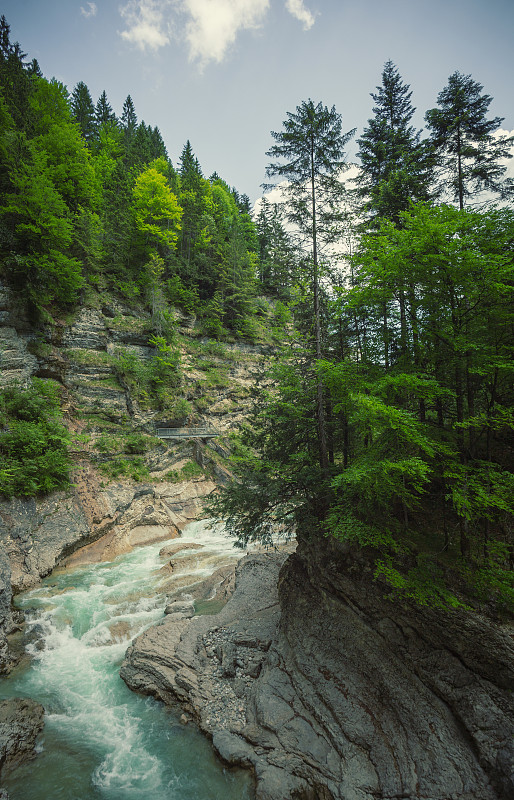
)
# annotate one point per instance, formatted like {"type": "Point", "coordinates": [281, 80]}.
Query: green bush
{"type": "Point", "coordinates": [33, 442]}
{"type": "Point", "coordinates": [134, 468]}
{"type": "Point", "coordinates": [182, 296]}
{"type": "Point", "coordinates": [135, 443]}
{"type": "Point", "coordinates": [189, 471]}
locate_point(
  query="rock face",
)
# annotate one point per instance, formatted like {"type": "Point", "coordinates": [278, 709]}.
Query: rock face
{"type": "Point", "coordinates": [38, 535]}
{"type": "Point", "coordinates": [337, 692]}
{"type": "Point", "coordinates": [6, 617]}
{"type": "Point", "coordinates": [21, 721]}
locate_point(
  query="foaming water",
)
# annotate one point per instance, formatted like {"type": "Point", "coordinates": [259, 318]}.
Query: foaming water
{"type": "Point", "coordinates": [101, 741]}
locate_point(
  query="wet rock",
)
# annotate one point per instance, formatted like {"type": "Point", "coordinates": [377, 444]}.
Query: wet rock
{"type": "Point", "coordinates": [34, 635]}
{"type": "Point", "coordinates": [21, 721]}
{"type": "Point", "coordinates": [6, 619]}
{"type": "Point", "coordinates": [341, 695]}
{"type": "Point", "coordinates": [172, 549]}
{"type": "Point", "coordinates": [185, 608]}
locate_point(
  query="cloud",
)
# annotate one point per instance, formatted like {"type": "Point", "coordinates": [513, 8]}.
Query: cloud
{"type": "Point", "coordinates": [90, 11]}
{"type": "Point", "coordinates": [213, 25]}
{"type": "Point", "coordinates": [146, 23]}
{"type": "Point", "coordinates": [302, 14]}
{"type": "Point", "coordinates": [209, 27]}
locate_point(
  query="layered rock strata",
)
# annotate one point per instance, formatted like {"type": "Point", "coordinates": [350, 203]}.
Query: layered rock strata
{"type": "Point", "coordinates": [336, 692]}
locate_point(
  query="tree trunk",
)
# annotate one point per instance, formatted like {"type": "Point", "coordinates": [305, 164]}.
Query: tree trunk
{"type": "Point", "coordinates": [320, 405]}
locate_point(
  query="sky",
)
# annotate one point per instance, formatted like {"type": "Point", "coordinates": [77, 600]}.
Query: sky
{"type": "Point", "coordinates": [224, 73]}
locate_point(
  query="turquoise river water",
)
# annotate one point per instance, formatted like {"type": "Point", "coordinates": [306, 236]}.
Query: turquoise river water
{"type": "Point", "coordinates": [101, 741]}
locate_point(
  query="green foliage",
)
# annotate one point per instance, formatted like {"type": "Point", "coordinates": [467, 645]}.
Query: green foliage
{"type": "Point", "coordinates": [182, 296]}
{"type": "Point", "coordinates": [157, 213]}
{"type": "Point", "coordinates": [423, 584]}
{"type": "Point", "coordinates": [397, 167]}
{"type": "Point", "coordinates": [86, 197]}
{"type": "Point", "coordinates": [136, 444]}
{"type": "Point", "coordinates": [418, 415]}
{"type": "Point", "coordinates": [472, 151]}
{"type": "Point", "coordinates": [33, 442]}
{"type": "Point", "coordinates": [154, 381]}
{"type": "Point", "coordinates": [188, 472]}
{"type": "Point", "coordinates": [133, 468]}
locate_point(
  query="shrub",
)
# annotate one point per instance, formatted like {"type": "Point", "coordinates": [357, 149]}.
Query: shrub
{"type": "Point", "coordinates": [33, 442]}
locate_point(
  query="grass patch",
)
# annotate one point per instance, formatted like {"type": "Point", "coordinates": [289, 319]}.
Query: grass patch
{"type": "Point", "coordinates": [189, 471]}
{"type": "Point", "coordinates": [133, 468]}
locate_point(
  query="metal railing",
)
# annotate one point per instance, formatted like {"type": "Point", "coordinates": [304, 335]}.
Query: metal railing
{"type": "Point", "coordinates": [185, 433]}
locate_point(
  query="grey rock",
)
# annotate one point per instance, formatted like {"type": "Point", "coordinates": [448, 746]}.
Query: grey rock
{"type": "Point", "coordinates": [21, 721]}
{"type": "Point", "coordinates": [16, 362]}
{"type": "Point", "coordinates": [6, 618]}
{"type": "Point", "coordinates": [343, 695]}
{"type": "Point", "coordinates": [184, 607]}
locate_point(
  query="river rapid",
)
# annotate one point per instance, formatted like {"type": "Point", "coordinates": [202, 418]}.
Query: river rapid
{"type": "Point", "coordinates": [101, 741]}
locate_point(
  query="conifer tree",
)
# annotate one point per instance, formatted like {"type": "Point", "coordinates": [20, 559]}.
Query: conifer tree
{"type": "Point", "coordinates": [396, 165]}
{"type": "Point", "coordinates": [103, 111]}
{"type": "Point", "coordinates": [128, 116]}
{"type": "Point", "coordinates": [15, 81]}
{"type": "Point", "coordinates": [309, 154]}
{"type": "Point", "coordinates": [465, 139]}
{"type": "Point", "coordinates": [83, 111]}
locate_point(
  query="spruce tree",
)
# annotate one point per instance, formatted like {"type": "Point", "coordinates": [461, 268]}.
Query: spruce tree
{"type": "Point", "coordinates": [128, 116]}
{"type": "Point", "coordinates": [396, 165]}
{"type": "Point", "coordinates": [309, 153]}
{"type": "Point", "coordinates": [83, 111]}
{"type": "Point", "coordinates": [15, 80]}
{"type": "Point", "coordinates": [103, 111]}
{"type": "Point", "coordinates": [464, 137]}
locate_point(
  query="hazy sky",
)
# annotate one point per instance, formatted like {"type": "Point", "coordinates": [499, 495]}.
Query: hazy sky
{"type": "Point", "coordinates": [223, 73]}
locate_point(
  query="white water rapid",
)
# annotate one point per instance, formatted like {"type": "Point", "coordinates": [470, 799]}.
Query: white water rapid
{"type": "Point", "coordinates": [101, 741]}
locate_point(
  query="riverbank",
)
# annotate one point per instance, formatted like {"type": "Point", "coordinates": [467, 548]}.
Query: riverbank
{"type": "Point", "coordinates": [100, 739]}
{"type": "Point", "coordinates": [329, 691]}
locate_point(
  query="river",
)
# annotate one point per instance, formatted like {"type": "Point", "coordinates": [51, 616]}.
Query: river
{"type": "Point", "coordinates": [101, 741]}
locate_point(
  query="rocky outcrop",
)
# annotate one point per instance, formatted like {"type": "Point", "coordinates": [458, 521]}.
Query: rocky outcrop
{"type": "Point", "coordinates": [340, 693]}
{"type": "Point", "coordinates": [101, 523]}
{"type": "Point", "coordinates": [6, 616]}
{"type": "Point", "coordinates": [21, 722]}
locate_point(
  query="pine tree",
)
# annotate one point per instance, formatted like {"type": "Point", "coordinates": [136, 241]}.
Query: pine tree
{"type": "Point", "coordinates": [465, 139]}
{"type": "Point", "coordinates": [15, 80]}
{"type": "Point", "coordinates": [195, 199]}
{"type": "Point", "coordinates": [396, 165]}
{"type": "Point", "coordinates": [277, 255]}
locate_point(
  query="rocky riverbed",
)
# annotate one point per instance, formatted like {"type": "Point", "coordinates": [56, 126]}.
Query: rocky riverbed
{"type": "Point", "coordinates": [326, 690]}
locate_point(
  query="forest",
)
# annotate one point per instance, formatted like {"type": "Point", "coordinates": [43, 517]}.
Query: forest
{"type": "Point", "coordinates": [385, 419]}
